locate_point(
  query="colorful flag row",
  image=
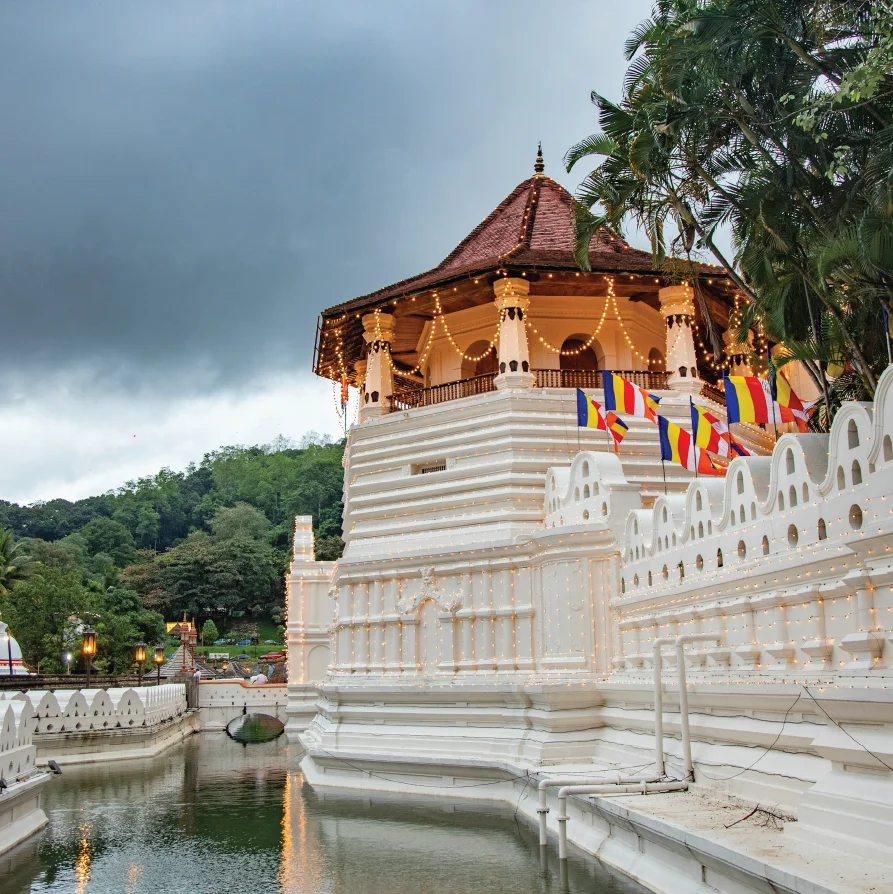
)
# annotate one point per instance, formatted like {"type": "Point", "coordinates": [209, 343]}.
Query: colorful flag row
{"type": "Point", "coordinates": [748, 399]}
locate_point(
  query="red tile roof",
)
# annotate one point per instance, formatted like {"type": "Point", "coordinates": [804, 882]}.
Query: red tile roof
{"type": "Point", "coordinates": [532, 227]}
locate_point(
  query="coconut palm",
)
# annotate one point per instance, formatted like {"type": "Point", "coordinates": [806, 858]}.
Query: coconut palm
{"type": "Point", "coordinates": [771, 118]}
{"type": "Point", "coordinates": [15, 565]}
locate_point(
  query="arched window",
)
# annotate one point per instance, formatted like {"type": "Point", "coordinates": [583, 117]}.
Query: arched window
{"type": "Point", "coordinates": [577, 494]}
{"type": "Point", "coordinates": [700, 529]}
{"type": "Point", "coordinates": [742, 549]}
{"type": "Point", "coordinates": [792, 535]}
{"type": "Point", "coordinates": [699, 503]}
{"type": "Point", "coordinates": [740, 482]}
{"type": "Point", "coordinates": [855, 517]}
{"type": "Point", "coordinates": [805, 492]}
{"type": "Point", "coordinates": [699, 563]}
{"type": "Point", "coordinates": [656, 361]}
{"type": "Point", "coordinates": [857, 473]}
{"type": "Point", "coordinates": [579, 352]}
{"type": "Point", "coordinates": [780, 501]}
{"type": "Point", "coordinates": [789, 462]}
{"type": "Point", "coordinates": [474, 364]}
{"type": "Point", "coordinates": [585, 469]}
{"type": "Point", "coordinates": [852, 434]}
{"type": "Point", "coordinates": [665, 572]}
{"type": "Point", "coordinates": [753, 511]}
{"type": "Point", "coordinates": [664, 514]}
{"type": "Point", "coordinates": [719, 558]}
{"type": "Point", "coordinates": [649, 578]}
{"type": "Point", "coordinates": [823, 530]}
{"type": "Point", "coordinates": [732, 518]}
{"type": "Point", "coordinates": [792, 496]}
{"type": "Point", "coordinates": [585, 491]}
{"type": "Point", "coordinates": [841, 478]}
{"type": "Point", "coordinates": [765, 545]}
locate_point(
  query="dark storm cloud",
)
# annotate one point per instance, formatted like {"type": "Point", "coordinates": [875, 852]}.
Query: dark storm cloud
{"type": "Point", "coordinates": [184, 186]}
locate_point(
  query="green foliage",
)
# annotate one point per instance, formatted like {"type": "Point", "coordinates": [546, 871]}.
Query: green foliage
{"type": "Point", "coordinates": [15, 565]}
{"type": "Point", "coordinates": [240, 520]}
{"type": "Point", "coordinates": [212, 541]}
{"type": "Point", "coordinates": [773, 118]}
{"type": "Point", "coordinates": [209, 632]}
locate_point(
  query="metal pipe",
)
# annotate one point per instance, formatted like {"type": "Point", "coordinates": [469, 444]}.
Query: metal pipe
{"type": "Point", "coordinates": [561, 781]}
{"type": "Point", "coordinates": [688, 772]}
{"type": "Point", "coordinates": [659, 769]}
{"type": "Point", "coordinates": [640, 788]}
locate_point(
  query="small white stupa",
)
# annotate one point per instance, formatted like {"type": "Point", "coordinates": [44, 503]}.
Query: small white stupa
{"type": "Point", "coordinates": [11, 663]}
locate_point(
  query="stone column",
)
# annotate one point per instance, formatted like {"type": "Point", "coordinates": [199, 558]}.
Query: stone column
{"type": "Point", "coordinates": [739, 353]}
{"type": "Point", "coordinates": [512, 303]}
{"type": "Point", "coordinates": [678, 310]}
{"type": "Point", "coordinates": [378, 332]}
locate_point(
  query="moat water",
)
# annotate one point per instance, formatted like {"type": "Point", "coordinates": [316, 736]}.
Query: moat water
{"type": "Point", "coordinates": [215, 817]}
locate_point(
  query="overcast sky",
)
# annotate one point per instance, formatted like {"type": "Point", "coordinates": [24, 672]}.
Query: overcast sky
{"type": "Point", "coordinates": [185, 185]}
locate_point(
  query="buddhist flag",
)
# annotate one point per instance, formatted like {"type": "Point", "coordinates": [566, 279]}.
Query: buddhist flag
{"type": "Point", "coordinates": [622, 396]}
{"type": "Point", "coordinates": [591, 414]}
{"type": "Point", "coordinates": [676, 445]}
{"type": "Point", "coordinates": [789, 401]}
{"type": "Point", "coordinates": [709, 431]}
{"type": "Point", "coordinates": [749, 399]}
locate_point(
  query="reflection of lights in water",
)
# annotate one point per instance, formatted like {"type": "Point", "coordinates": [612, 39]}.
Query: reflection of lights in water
{"type": "Point", "coordinates": [133, 874]}
{"type": "Point", "coordinates": [82, 863]}
{"type": "Point", "coordinates": [286, 863]}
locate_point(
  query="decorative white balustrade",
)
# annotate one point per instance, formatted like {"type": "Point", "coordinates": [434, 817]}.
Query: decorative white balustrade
{"type": "Point", "coordinates": [83, 710]}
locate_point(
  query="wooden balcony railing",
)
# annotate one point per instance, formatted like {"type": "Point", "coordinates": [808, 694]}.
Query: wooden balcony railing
{"type": "Point", "coordinates": [592, 378]}
{"type": "Point", "coordinates": [409, 398]}
{"type": "Point", "coordinates": [408, 395]}
{"type": "Point", "coordinates": [717, 395]}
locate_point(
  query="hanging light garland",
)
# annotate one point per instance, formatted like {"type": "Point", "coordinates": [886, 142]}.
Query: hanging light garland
{"type": "Point", "coordinates": [610, 302]}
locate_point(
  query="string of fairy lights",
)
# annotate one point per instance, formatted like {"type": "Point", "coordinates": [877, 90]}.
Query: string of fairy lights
{"type": "Point", "coordinates": [333, 337]}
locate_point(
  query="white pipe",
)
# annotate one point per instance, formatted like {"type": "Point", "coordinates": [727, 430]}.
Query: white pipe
{"type": "Point", "coordinates": [561, 781]}
{"type": "Point", "coordinates": [688, 772]}
{"type": "Point", "coordinates": [659, 769]}
{"type": "Point", "coordinates": [641, 788]}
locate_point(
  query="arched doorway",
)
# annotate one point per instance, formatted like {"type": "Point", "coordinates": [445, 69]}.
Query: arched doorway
{"type": "Point", "coordinates": [656, 361]}
{"type": "Point", "coordinates": [485, 366]}
{"type": "Point", "coordinates": [580, 357]}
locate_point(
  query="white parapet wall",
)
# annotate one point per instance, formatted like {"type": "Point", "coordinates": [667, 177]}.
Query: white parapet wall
{"type": "Point", "coordinates": [87, 725]}
{"type": "Point", "coordinates": [221, 701]}
{"type": "Point", "coordinates": [20, 812]}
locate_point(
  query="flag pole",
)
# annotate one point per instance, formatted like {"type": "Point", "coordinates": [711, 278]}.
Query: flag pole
{"type": "Point", "coordinates": [887, 335]}
{"type": "Point", "coordinates": [663, 467]}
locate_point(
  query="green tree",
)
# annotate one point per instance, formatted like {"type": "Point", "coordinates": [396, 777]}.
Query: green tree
{"type": "Point", "coordinates": [209, 632]}
{"type": "Point", "coordinates": [39, 610]}
{"type": "Point", "coordinates": [773, 118]}
{"type": "Point", "coordinates": [240, 520]}
{"type": "Point", "coordinates": [15, 563]}
{"type": "Point", "coordinates": [103, 535]}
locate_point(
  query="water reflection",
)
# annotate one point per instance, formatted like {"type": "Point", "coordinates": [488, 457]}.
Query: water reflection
{"type": "Point", "coordinates": [211, 816]}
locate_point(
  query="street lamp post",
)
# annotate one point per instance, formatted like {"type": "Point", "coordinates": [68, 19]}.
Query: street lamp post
{"type": "Point", "coordinates": [159, 660]}
{"type": "Point", "coordinates": [89, 650]}
{"type": "Point", "coordinates": [68, 662]}
{"type": "Point", "coordinates": [193, 641]}
{"type": "Point", "coordinates": [140, 658]}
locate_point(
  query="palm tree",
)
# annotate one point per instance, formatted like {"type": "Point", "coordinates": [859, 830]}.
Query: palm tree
{"type": "Point", "coordinates": [14, 564]}
{"type": "Point", "coordinates": [773, 118]}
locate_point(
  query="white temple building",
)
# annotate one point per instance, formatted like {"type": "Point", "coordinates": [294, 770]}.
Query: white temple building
{"type": "Point", "coordinates": [506, 574]}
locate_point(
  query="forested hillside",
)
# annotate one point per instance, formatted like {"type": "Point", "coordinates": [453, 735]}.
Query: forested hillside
{"type": "Point", "coordinates": [213, 541]}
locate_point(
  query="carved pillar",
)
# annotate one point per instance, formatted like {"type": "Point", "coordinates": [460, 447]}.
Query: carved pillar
{"type": "Point", "coordinates": [678, 310]}
{"type": "Point", "coordinates": [866, 646]}
{"type": "Point", "coordinates": [392, 629]}
{"type": "Point", "coordinates": [524, 645]}
{"type": "Point", "coordinates": [409, 649]}
{"type": "Point", "coordinates": [739, 353]}
{"type": "Point", "coordinates": [514, 358]}
{"type": "Point", "coordinates": [378, 332]}
{"type": "Point", "coordinates": [376, 626]}
{"type": "Point", "coordinates": [505, 622]}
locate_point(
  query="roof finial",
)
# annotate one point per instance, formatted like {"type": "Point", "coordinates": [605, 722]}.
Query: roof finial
{"type": "Point", "coordinates": [539, 165]}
